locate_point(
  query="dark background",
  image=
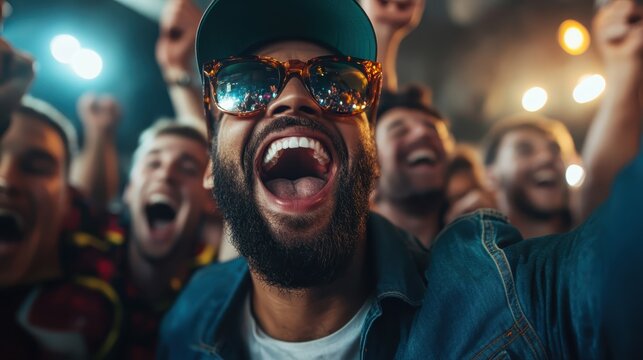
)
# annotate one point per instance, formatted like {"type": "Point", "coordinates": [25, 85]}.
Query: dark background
{"type": "Point", "coordinates": [478, 65]}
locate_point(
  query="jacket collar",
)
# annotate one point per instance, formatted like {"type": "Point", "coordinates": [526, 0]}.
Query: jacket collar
{"type": "Point", "coordinates": [398, 261]}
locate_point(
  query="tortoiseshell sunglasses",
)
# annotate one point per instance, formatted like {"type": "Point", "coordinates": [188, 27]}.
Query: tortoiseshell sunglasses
{"type": "Point", "coordinates": [244, 86]}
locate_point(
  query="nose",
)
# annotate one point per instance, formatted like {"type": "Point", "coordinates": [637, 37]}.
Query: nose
{"type": "Point", "coordinates": [8, 177]}
{"type": "Point", "coordinates": [547, 157]}
{"type": "Point", "coordinates": [293, 100]}
{"type": "Point", "coordinates": [167, 173]}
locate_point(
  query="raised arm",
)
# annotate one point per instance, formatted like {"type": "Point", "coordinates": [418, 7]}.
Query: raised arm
{"type": "Point", "coordinates": [392, 20]}
{"type": "Point", "coordinates": [16, 74]}
{"type": "Point", "coordinates": [614, 137]}
{"type": "Point", "coordinates": [95, 169]}
{"type": "Point", "coordinates": [175, 56]}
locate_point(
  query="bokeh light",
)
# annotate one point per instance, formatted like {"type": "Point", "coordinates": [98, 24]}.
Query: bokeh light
{"type": "Point", "coordinates": [64, 48]}
{"type": "Point", "coordinates": [573, 37]}
{"type": "Point", "coordinates": [87, 64]}
{"type": "Point", "coordinates": [589, 88]}
{"type": "Point", "coordinates": [575, 175]}
{"type": "Point", "coordinates": [534, 99]}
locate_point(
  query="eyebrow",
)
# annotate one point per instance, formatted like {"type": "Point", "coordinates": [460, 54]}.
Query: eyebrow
{"type": "Point", "coordinates": [395, 124]}
{"type": "Point", "coordinates": [189, 157]}
{"type": "Point", "coordinates": [40, 154]}
{"type": "Point", "coordinates": [182, 156]}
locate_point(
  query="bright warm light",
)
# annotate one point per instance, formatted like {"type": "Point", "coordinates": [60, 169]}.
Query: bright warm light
{"type": "Point", "coordinates": [87, 64]}
{"type": "Point", "coordinates": [575, 175]}
{"type": "Point", "coordinates": [534, 99]}
{"type": "Point", "coordinates": [573, 37]}
{"type": "Point", "coordinates": [64, 48]}
{"type": "Point", "coordinates": [589, 88]}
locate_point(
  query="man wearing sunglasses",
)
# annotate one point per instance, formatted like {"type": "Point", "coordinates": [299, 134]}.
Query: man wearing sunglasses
{"type": "Point", "coordinates": [289, 90]}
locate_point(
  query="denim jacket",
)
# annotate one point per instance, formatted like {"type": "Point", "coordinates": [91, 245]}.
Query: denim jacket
{"type": "Point", "coordinates": [481, 293]}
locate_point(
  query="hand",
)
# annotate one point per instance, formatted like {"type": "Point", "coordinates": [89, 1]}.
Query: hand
{"type": "Point", "coordinates": [618, 31]}
{"type": "Point", "coordinates": [396, 16]}
{"type": "Point", "coordinates": [99, 115]}
{"type": "Point", "coordinates": [175, 45]}
{"type": "Point", "coordinates": [472, 201]}
{"type": "Point", "coordinates": [16, 74]}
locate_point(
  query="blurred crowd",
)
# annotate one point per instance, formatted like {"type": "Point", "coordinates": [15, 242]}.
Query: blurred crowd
{"type": "Point", "coordinates": [79, 280]}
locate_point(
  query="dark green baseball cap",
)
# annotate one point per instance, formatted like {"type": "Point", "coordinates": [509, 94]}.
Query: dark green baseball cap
{"type": "Point", "coordinates": [234, 27]}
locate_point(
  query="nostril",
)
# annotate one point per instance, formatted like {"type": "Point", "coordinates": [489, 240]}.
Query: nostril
{"type": "Point", "coordinates": [280, 109]}
{"type": "Point", "coordinates": [307, 110]}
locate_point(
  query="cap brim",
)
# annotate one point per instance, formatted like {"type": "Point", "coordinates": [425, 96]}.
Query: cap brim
{"type": "Point", "coordinates": [231, 27]}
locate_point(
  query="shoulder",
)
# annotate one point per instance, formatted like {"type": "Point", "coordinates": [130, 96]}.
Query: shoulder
{"type": "Point", "coordinates": [202, 305]}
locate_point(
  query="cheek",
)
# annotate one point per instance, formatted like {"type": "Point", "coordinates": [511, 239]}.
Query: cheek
{"type": "Point", "coordinates": [356, 134]}
{"type": "Point", "coordinates": [232, 136]}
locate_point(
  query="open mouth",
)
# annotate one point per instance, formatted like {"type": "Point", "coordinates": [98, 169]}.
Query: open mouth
{"type": "Point", "coordinates": [160, 212]}
{"type": "Point", "coordinates": [296, 167]}
{"type": "Point", "coordinates": [12, 229]}
{"type": "Point", "coordinates": [422, 157]}
{"type": "Point", "coordinates": [546, 179]}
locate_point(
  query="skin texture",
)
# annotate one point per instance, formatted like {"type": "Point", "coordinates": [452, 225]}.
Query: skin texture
{"type": "Point", "coordinates": [412, 196]}
{"type": "Point", "coordinates": [392, 21]}
{"type": "Point", "coordinates": [172, 166]}
{"type": "Point", "coordinates": [33, 183]}
{"type": "Point", "coordinates": [18, 73]}
{"type": "Point", "coordinates": [175, 56]}
{"type": "Point", "coordinates": [100, 116]}
{"type": "Point", "coordinates": [523, 156]}
{"type": "Point", "coordinates": [614, 137]}
{"type": "Point", "coordinates": [313, 311]}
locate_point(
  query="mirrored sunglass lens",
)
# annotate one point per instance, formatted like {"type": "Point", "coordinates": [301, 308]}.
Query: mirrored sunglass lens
{"type": "Point", "coordinates": [246, 86]}
{"type": "Point", "coordinates": [339, 87]}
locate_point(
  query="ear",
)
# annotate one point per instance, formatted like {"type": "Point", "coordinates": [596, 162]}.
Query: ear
{"type": "Point", "coordinates": [208, 178]}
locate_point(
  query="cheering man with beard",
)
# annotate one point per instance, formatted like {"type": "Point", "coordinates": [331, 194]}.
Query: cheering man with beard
{"type": "Point", "coordinates": [526, 157]}
{"type": "Point", "coordinates": [413, 147]}
{"type": "Point", "coordinates": [290, 86]}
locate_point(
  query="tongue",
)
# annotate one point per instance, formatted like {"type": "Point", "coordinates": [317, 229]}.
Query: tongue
{"type": "Point", "coordinates": [295, 189]}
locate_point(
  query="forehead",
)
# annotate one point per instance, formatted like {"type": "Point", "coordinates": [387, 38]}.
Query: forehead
{"type": "Point", "coordinates": [28, 132]}
{"type": "Point", "coordinates": [287, 50]}
{"type": "Point", "coordinates": [407, 116]}
{"type": "Point", "coordinates": [174, 145]}
{"type": "Point", "coordinates": [527, 135]}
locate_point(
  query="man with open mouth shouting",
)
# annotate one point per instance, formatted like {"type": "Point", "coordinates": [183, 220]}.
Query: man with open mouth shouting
{"type": "Point", "coordinates": [49, 307]}
{"type": "Point", "coordinates": [289, 90]}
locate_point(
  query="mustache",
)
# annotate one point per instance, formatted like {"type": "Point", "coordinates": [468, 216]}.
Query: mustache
{"type": "Point", "coordinates": [286, 122]}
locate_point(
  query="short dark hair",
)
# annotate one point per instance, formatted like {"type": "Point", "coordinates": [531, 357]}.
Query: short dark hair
{"type": "Point", "coordinates": [414, 96]}
{"type": "Point", "coordinates": [496, 134]}
{"type": "Point", "coordinates": [44, 112]}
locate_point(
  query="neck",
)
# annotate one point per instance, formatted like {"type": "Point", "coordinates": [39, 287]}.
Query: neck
{"type": "Point", "coordinates": [157, 280]}
{"type": "Point", "coordinates": [424, 224]}
{"type": "Point", "coordinates": [312, 313]}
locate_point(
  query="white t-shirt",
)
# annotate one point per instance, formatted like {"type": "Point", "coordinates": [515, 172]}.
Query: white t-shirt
{"type": "Point", "coordinates": [342, 344]}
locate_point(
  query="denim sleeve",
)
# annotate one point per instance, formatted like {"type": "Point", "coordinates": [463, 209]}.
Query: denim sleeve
{"type": "Point", "coordinates": [556, 282]}
{"type": "Point", "coordinates": [622, 250]}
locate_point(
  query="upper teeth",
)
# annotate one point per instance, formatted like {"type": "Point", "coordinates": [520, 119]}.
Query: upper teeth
{"type": "Point", "coordinates": [276, 149]}
{"type": "Point", "coordinates": [545, 175]}
{"type": "Point", "coordinates": [422, 154]}
{"type": "Point", "coordinates": [158, 198]}
{"type": "Point", "coordinates": [16, 217]}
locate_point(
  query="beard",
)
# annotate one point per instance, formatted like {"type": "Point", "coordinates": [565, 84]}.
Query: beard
{"type": "Point", "coordinates": [520, 199]}
{"type": "Point", "coordinates": [399, 191]}
{"type": "Point", "coordinates": [296, 262]}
